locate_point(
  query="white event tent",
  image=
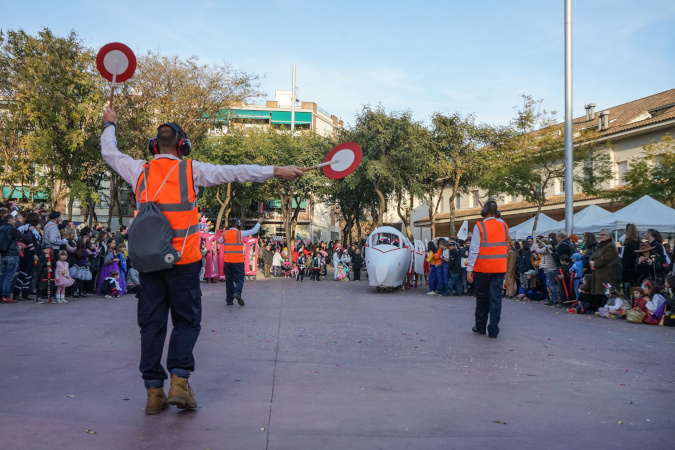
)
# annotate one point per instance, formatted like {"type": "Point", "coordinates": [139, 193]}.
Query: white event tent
{"type": "Point", "coordinates": [643, 213]}
{"type": "Point", "coordinates": [523, 230]}
{"type": "Point", "coordinates": [588, 216]}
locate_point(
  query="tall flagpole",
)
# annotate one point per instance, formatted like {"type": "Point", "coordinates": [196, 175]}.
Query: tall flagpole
{"type": "Point", "coordinates": [569, 160]}
{"type": "Point", "coordinates": [293, 102]}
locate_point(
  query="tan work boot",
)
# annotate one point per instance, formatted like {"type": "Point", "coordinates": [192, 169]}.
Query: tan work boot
{"type": "Point", "coordinates": [156, 401]}
{"type": "Point", "coordinates": [180, 393]}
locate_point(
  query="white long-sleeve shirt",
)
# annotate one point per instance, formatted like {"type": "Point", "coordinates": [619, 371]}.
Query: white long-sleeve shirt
{"type": "Point", "coordinates": [245, 233]}
{"type": "Point", "coordinates": [474, 248]}
{"type": "Point", "coordinates": [203, 174]}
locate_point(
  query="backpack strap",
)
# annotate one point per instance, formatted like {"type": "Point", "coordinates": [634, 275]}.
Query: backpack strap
{"type": "Point", "coordinates": [146, 170]}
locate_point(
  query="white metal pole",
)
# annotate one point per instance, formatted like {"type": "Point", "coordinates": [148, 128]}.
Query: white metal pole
{"type": "Point", "coordinates": [569, 161]}
{"type": "Point", "coordinates": [293, 102]}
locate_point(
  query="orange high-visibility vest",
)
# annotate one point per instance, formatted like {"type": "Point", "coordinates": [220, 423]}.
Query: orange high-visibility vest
{"type": "Point", "coordinates": [493, 247]}
{"type": "Point", "coordinates": [234, 246]}
{"type": "Point", "coordinates": [177, 200]}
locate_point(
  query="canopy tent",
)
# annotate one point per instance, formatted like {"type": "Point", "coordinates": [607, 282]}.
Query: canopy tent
{"type": "Point", "coordinates": [586, 217]}
{"type": "Point", "coordinates": [643, 213]}
{"type": "Point", "coordinates": [523, 230]}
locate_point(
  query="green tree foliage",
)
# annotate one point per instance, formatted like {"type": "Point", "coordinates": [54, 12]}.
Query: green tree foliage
{"type": "Point", "coordinates": [395, 152]}
{"type": "Point", "coordinates": [57, 95]}
{"type": "Point", "coordinates": [266, 148]}
{"type": "Point", "coordinates": [171, 89]}
{"type": "Point", "coordinates": [650, 175]}
{"type": "Point", "coordinates": [465, 149]}
{"type": "Point", "coordinates": [533, 158]}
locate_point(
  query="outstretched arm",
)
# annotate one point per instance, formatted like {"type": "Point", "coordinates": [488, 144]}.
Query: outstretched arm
{"type": "Point", "coordinates": [127, 167]}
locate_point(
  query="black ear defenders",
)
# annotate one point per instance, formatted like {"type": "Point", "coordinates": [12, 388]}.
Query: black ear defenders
{"type": "Point", "coordinates": [236, 222]}
{"type": "Point", "coordinates": [483, 211]}
{"type": "Point", "coordinates": [183, 144]}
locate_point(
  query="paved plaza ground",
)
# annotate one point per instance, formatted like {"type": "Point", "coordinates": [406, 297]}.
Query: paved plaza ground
{"type": "Point", "coordinates": [328, 365]}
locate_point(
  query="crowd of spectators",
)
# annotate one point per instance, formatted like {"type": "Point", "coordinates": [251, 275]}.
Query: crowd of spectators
{"type": "Point", "coordinates": [596, 276]}
{"type": "Point", "coordinates": [310, 260]}
{"type": "Point", "coordinates": [44, 257]}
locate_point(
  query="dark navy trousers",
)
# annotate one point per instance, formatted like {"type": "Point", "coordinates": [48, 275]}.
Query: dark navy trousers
{"type": "Point", "coordinates": [176, 291]}
{"type": "Point", "coordinates": [488, 288]}
{"type": "Point", "coordinates": [234, 279]}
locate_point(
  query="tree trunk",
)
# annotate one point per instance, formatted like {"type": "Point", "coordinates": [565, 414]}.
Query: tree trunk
{"type": "Point", "coordinates": [373, 214]}
{"type": "Point", "coordinates": [225, 206]}
{"type": "Point", "coordinates": [542, 201]}
{"type": "Point", "coordinates": [70, 208]}
{"type": "Point", "coordinates": [85, 216]}
{"type": "Point", "coordinates": [381, 207]}
{"type": "Point", "coordinates": [358, 231]}
{"type": "Point", "coordinates": [347, 230]}
{"type": "Point", "coordinates": [432, 220]}
{"type": "Point", "coordinates": [111, 199]}
{"type": "Point", "coordinates": [296, 213]}
{"type": "Point", "coordinates": [405, 217]}
{"type": "Point", "coordinates": [453, 195]}
{"type": "Point", "coordinates": [286, 204]}
{"type": "Point", "coordinates": [120, 210]}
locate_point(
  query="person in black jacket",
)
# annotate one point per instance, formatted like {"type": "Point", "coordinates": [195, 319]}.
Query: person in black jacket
{"type": "Point", "coordinates": [455, 269]}
{"type": "Point", "coordinates": [563, 250]}
{"type": "Point", "coordinates": [525, 264]}
{"type": "Point", "coordinates": [564, 247]}
{"type": "Point", "coordinates": [649, 264]}
{"type": "Point", "coordinates": [9, 254]}
{"type": "Point", "coordinates": [629, 257]}
{"type": "Point", "coordinates": [357, 264]}
{"type": "Point", "coordinates": [26, 269]}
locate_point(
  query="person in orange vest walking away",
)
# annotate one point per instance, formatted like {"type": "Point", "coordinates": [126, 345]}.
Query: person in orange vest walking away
{"type": "Point", "coordinates": [233, 268]}
{"type": "Point", "coordinates": [486, 268]}
{"type": "Point", "coordinates": [169, 185]}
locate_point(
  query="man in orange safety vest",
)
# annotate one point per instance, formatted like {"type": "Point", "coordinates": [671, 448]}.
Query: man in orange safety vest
{"type": "Point", "coordinates": [486, 268]}
{"type": "Point", "coordinates": [233, 268]}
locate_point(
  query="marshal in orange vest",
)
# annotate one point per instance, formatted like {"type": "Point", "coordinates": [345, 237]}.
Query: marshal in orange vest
{"type": "Point", "coordinates": [176, 199]}
{"type": "Point", "coordinates": [234, 246]}
{"type": "Point", "coordinates": [493, 247]}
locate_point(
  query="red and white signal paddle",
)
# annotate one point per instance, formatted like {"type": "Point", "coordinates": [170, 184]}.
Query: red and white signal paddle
{"type": "Point", "coordinates": [342, 160]}
{"type": "Point", "coordinates": [116, 63]}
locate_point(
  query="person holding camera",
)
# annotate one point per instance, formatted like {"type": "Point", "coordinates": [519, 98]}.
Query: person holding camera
{"type": "Point", "coordinates": [543, 248]}
{"type": "Point", "coordinates": [486, 268]}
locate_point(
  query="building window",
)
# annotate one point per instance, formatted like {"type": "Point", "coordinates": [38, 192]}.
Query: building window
{"type": "Point", "coordinates": [474, 199]}
{"type": "Point", "coordinates": [622, 169]}
{"type": "Point", "coordinates": [561, 185]}
{"type": "Point", "coordinates": [458, 201]}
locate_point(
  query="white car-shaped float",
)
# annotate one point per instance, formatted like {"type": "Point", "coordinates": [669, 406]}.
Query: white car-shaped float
{"type": "Point", "coordinates": [388, 256]}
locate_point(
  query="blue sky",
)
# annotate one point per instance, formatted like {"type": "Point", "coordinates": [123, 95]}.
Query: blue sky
{"type": "Point", "coordinates": [446, 56]}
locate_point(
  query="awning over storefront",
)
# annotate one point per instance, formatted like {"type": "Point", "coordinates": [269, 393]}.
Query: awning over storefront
{"type": "Point", "coordinates": [301, 118]}
{"type": "Point", "coordinates": [225, 115]}
{"type": "Point", "coordinates": [277, 204]}
{"type": "Point", "coordinates": [21, 192]}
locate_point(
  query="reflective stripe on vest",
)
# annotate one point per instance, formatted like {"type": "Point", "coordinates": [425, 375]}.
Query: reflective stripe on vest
{"type": "Point", "coordinates": [234, 246]}
{"type": "Point", "coordinates": [177, 201]}
{"type": "Point", "coordinates": [493, 247]}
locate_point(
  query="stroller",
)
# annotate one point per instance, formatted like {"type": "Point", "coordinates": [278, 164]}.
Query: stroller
{"type": "Point", "coordinates": [287, 269]}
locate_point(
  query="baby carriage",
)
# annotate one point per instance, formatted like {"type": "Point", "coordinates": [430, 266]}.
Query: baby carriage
{"type": "Point", "coordinates": [287, 269]}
